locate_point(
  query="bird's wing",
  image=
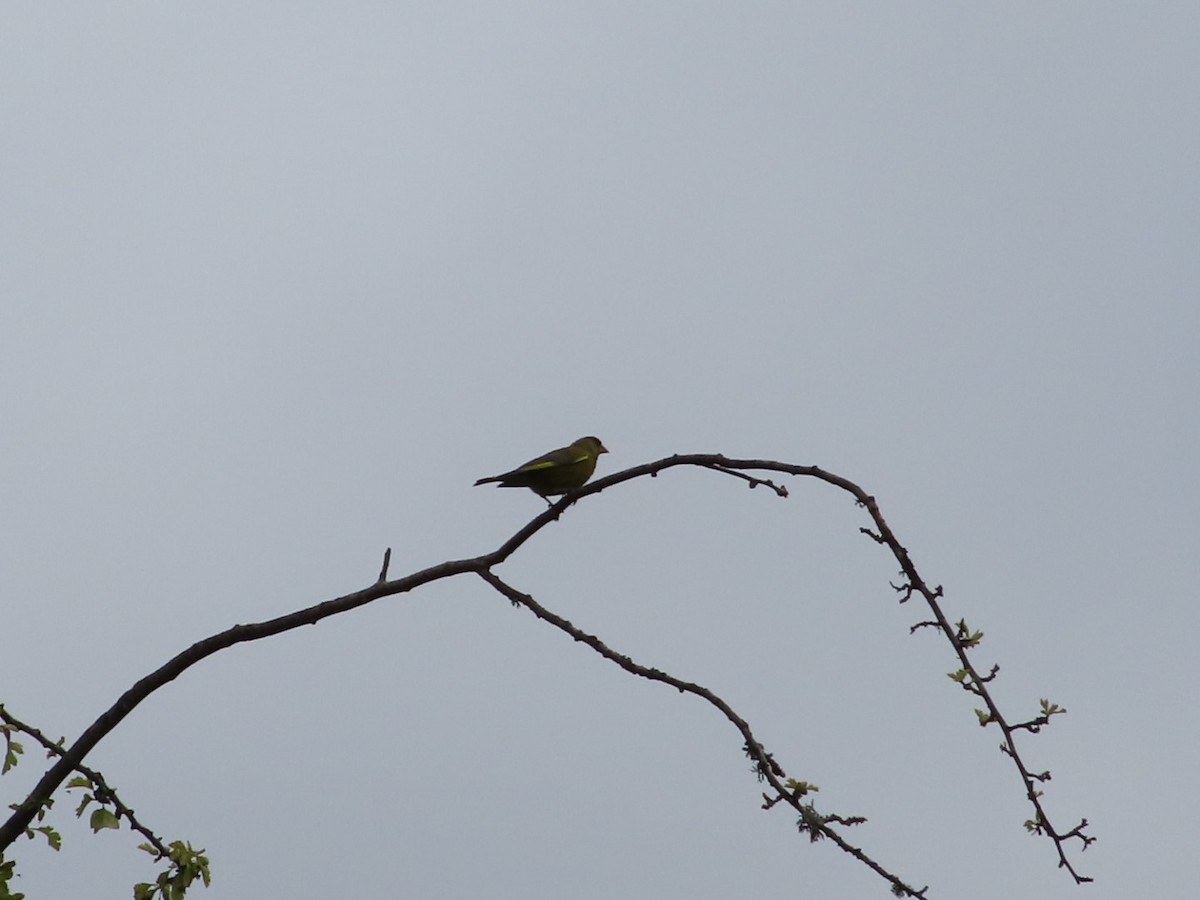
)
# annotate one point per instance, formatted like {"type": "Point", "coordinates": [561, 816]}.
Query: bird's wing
{"type": "Point", "coordinates": [564, 456]}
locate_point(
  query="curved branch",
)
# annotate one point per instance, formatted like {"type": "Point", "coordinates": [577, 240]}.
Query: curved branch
{"type": "Point", "coordinates": [73, 757]}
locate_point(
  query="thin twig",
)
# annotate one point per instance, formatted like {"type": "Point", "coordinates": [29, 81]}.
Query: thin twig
{"type": "Point", "coordinates": [766, 766]}
{"type": "Point", "coordinates": [103, 792]}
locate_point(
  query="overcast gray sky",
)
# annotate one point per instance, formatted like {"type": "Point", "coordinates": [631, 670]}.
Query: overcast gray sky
{"type": "Point", "coordinates": [281, 280]}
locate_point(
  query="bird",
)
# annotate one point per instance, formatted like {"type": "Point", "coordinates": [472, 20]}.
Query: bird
{"type": "Point", "coordinates": [557, 472]}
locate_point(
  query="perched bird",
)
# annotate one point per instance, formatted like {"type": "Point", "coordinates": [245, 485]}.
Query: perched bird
{"type": "Point", "coordinates": [558, 472]}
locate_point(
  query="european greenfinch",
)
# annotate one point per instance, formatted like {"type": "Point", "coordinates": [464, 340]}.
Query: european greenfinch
{"type": "Point", "coordinates": [557, 472]}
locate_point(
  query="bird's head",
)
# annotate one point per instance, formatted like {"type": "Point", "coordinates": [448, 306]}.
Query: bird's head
{"type": "Point", "coordinates": [592, 445]}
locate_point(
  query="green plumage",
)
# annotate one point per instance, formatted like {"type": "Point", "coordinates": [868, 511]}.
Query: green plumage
{"type": "Point", "coordinates": [557, 472]}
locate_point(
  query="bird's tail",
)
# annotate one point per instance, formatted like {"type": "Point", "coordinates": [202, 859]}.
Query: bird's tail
{"type": "Point", "coordinates": [487, 480]}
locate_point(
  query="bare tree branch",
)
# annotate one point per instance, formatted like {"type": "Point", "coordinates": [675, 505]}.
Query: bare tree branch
{"type": "Point", "coordinates": [765, 765]}
{"type": "Point", "coordinates": [960, 638]}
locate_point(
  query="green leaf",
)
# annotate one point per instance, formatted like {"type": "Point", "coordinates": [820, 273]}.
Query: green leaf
{"type": "Point", "coordinates": [187, 864]}
{"type": "Point", "coordinates": [964, 634]}
{"type": "Point", "coordinates": [83, 804]}
{"type": "Point", "coordinates": [6, 874]}
{"type": "Point", "coordinates": [80, 781]}
{"type": "Point", "coordinates": [14, 749]}
{"type": "Point", "coordinates": [103, 818]}
{"type": "Point", "coordinates": [143, 891]}
{"type": "Point", "coordinates": [800, 788]}
{"type": "Point", "coordinates": [1051, 709]}
{"type": "Point", "coordinates": [53, 838]}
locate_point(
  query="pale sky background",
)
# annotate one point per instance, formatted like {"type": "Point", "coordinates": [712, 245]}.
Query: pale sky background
{"type": "Point", "coordinates": [281, 280]}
